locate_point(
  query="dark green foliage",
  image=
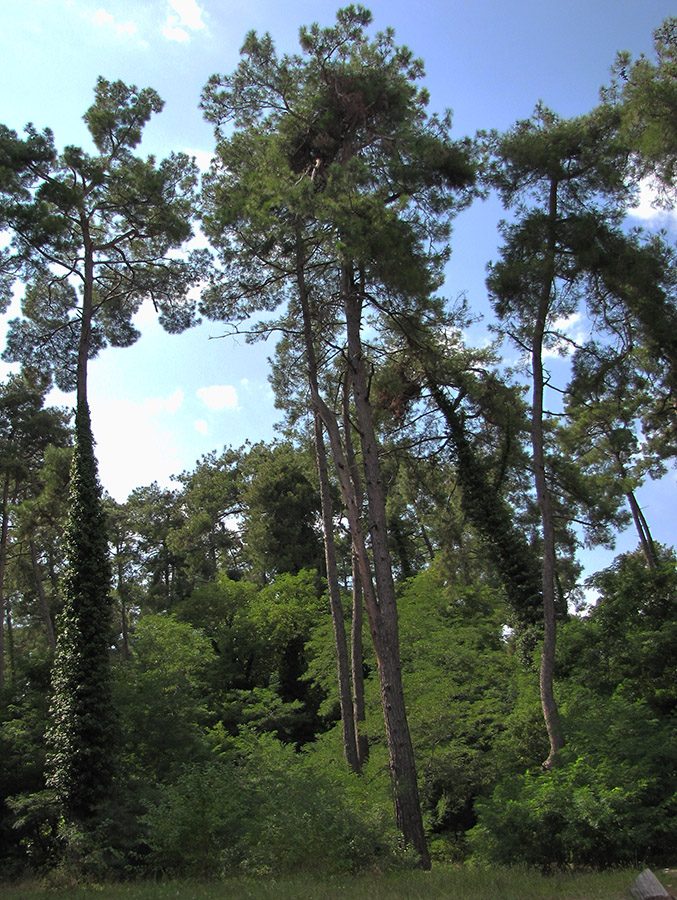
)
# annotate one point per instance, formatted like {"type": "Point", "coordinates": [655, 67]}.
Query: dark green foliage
{"type": "Point", "coordinates": [263, 809]}
{"type": "Point", "coordinates": [459, 678]}
{"type": "Point", "coordinates": [163, 697]}
{"type": "Point", "coordinates": [626, 643]}
{"type": "Point", "coordinates": [644, 97]}
{"type": "Point", "coordinates": [281, 512]}
{"type": "Point", "coordinates": [154, 522]}
{"type": "Point", "coordinates": [202, 532]}
{"type": "Point", "coordinates": [610, 800]}
{"type": "Point", "coordinates": [257, 666]}
{"type": "Point", "coordinates": [27, 815]}
{"type": "Point", "coordinates": [81, 736]}
{"type": "Point", "coordinates": [27, 427]}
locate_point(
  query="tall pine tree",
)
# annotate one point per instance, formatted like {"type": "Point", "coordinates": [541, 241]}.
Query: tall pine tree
{"type": "Point", "coordinates": [90, 237]}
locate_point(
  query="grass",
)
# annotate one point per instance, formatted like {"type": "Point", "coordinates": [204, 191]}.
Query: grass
{"type": "Point", "coordinates": [443, 883]}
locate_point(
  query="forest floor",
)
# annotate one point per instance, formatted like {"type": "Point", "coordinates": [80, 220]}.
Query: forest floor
{"type": "Point", "coordinates": [442, 883]}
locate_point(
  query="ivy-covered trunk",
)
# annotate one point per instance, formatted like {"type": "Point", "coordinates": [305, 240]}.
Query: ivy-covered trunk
{"type": "Point", "coordinates": [82, 731]}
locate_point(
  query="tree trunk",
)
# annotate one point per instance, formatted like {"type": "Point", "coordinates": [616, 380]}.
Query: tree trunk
{"type": "Point", "coordinates": [11, 650]}
{"type": "Point", "coordinates": [85, 339]}
{"type": "Point", "coordinates": [642, 526]}
{"type": "Point", "coordinates": [359, 709]}
{"type": "Point", "coordinates": [4, 531]}
{"type": "Point", "coordinates": [381, 621]}
{"type": "Point", "coordinates": [548, 703]}
{"type": "Point", "coordinates": [357, 657]}
{"type": "Point", "coordinates": [122, 592]}
{"type": "Point", "coordinates": [384, 617]}
{"type": "Point", "coordinates": [350, 745]}
{"type": "Point", "coordinates": [424, 535]}
{"type": "Point", "coordinates": [82, 731]}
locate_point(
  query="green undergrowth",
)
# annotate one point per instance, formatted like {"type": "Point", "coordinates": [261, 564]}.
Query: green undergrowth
{"type": "Point", "coordinates": [443, 883]}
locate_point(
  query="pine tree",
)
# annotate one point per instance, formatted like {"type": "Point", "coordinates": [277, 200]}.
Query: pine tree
{"type": "Point", "coordinates": [351, 216]}
{"type": "Point", "coordinates": [90, 237]}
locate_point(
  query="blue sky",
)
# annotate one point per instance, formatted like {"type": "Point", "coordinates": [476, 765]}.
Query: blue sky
{"type": "Point", "coordinates": [160, 405]}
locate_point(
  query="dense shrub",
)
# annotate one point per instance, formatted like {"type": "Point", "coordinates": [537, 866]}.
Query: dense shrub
{"type": "Point", "coordinates": [611, 799]}
{"type": "Point", "coordinates": [265, 808]}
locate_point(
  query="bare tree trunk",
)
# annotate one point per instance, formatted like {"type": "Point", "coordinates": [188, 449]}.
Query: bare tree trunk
{"type": "Point", "coordinates": [383, 627]}
{"type": "Point", "coordinates": [424, 534]}
{"type": "Point", "coordinates": [125, 630]}
{"type": "Point", "coordinates": [359, 707]}
{"type": "Point", "coordinates": [11, 650]}
{"type": "Point", "coordinates": [548, 703]}
{"type": "Point", "coordinates": [357, 666]}
{"type": "Point", "coordinates": [642, 526]}
{"type": "Point", "coordinates": [383, 620]}
{"type": "Point", "coordinates": [4, 532]}
{"type": "Point", "coordinates": [350, 745]}
{"type": "Point", "coordinates": [122, 594]}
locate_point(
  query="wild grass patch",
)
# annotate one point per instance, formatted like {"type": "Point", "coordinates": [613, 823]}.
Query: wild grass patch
{"type": "Point", "coordinates": [443, 883]}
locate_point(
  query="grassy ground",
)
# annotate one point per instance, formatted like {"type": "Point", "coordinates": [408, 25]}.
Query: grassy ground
{"type": "Point", "coordinates": [441, 884]}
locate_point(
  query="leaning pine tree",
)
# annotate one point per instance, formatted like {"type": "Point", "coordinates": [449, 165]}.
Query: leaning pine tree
{"type": "Point", "coordinates": [332, 198]}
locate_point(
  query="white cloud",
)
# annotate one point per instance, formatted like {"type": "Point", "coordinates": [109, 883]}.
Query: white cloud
{"type": "Point", "coordinates": [203, 158]}
{"type": "Point", "coordinates": [103, 19]}
{"type": "Point", "coordinates": [171, 404]}
{"type": "Point", "coordinates": [172, 33]}
{"type": "Point", "coordinates": [574, 328]}
{"type": "Point", "coordinates": [134, 445]}
{"type": "Point", "coordinates": [187, 15]}
{"type": "Point", "coordinates": [219, 396]}
{"type": "Point", "coordinates": [566, 323]}
{"type": "Point", "coordinates": [174, 401]}
{"type": "Point", "coordinates": [648, 209]}
{"type": "Point", "coordinates": [201, 426]}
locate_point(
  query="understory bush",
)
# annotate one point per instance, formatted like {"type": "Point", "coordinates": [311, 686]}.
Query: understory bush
{"type": "Point", "coordinates": [263, 808]}
{"type": "Point", "coordinates": [611, 798]}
